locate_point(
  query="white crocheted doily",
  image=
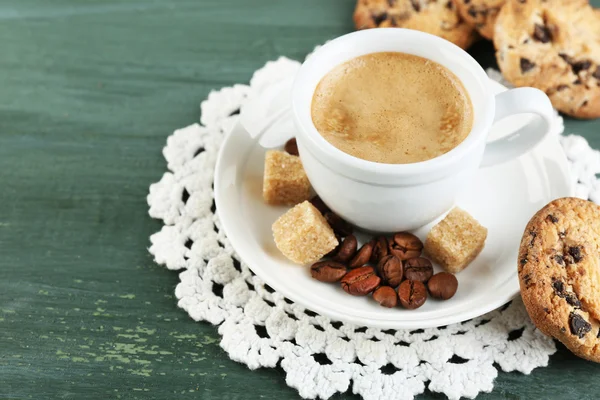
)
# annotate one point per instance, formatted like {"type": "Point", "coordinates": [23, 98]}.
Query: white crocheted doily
{"type": "Point", "coordinates": [261, 328]}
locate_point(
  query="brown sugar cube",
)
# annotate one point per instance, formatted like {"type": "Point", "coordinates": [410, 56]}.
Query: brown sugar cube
{"type": "Point", "coordinates": [284, 181]}
{"type": "Point", "coordinates": [303, 235]}
{"type": "Point", "coordinates": [455, 241]}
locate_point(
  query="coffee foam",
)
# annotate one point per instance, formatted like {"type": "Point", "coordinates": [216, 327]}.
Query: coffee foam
{"type": "Point", "coordinates": [392, 108]}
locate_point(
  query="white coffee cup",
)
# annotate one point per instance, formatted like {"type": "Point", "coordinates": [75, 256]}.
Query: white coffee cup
{"type": "Point", "coordinates": [397, 197]}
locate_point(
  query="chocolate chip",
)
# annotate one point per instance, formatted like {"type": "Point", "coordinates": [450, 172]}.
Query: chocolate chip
{"type": "Point", "coordinates": [523, 261]}
{"type": "Point", "coordinates": [546, 310]}
{"type": "Point", "coordinates": [577, 81]}
{"type": "Point", "coordinates": [552, 218]}
{"type": "Point", "coordinates": [559, 259]}
{"type": "Point", "coordinates": [559, 288]}
{"type": "Point", "coordinates": [521, 1]}
{"type": "Point", "coordinates": [562, 234]}
{"type": "Point", "coordinates": [533, 236]}
{"type": "Point", "coordinates": [573, 300]}
{"type": "Point", "coordinates": [585, 102]}
{"type": "Point", "coordinates": [416, 5]}
{"type": "Point", "coordinates": [450, 5]}
{"type": "Point", "coordinates": [471, 11]}
{"type": "Point", "coordinates": [379, 18]}
{"type": "Point", "coordinates": [561, 87]}
{"type": "Point", "coordinates": [391, 2]}
{"type": "Point", "coordinates": [526, 65]}
{"type": "Point", "coordinates": [581, 66]}
{"type": "Point", "coordinates": [563, 330]}
{"type": "Point", "coordinates": [575, 252]}
{"type": "Point", "coordinates": [596, 73]}
{"type": "Point", "coordinates": [579, 326]}
{"type": "Point", "coordinates": [565, 57]}
{"type": "Point", "coordinates": [467, 1]}
{"type": "Point", "coordinates": [542, 33]}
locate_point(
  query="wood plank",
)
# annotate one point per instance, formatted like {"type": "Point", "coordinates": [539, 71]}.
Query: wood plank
{"type": "Point", "coordinates": [90, 91]}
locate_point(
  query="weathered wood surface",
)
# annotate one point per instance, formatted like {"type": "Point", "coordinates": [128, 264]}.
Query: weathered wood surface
{"type": "Point", "coordinates": [89, 92]}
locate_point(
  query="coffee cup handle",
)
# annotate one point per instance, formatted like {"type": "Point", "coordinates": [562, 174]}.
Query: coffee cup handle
{"type": "Point", "coordinates": [519, 101]}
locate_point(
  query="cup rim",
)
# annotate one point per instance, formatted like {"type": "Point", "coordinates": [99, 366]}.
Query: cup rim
{"type": "Point", "coordinates": [332, 153]}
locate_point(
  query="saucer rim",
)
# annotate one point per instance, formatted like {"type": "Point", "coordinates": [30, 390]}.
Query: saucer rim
{"type": "Point", "coordinates": [510, 287]}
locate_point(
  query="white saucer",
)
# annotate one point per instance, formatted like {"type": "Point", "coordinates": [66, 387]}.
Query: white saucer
{"type": "Point", "coordinates": [503, 198]}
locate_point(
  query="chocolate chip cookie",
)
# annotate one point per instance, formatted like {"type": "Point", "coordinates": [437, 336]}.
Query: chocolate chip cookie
{"type": "Point", "coordinates": [553, 45]}
{"type": "Point", "coordinates": [480, 14]}
{"type": "Point", "coordinates": [438, 17]}
{"type": "Point", "coordinates": [559, 273]}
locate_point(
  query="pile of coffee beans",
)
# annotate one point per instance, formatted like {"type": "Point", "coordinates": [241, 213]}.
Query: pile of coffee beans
{"type": "Point", "coordinates": [391, 268]}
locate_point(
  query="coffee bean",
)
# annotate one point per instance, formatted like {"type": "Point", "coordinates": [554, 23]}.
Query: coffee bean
{"type": "Point", "coordinates": [442, 285]}
{"type": "Point", "coordinates": [339, 225]}
{"type": "Point", "coordinates": [386, 296]}
{"type": "Point", "coordinates": [328, 271]}
{"type": "Point", "coordinates": [363, 256]}
{"type": "Point", "coordinates": [412, 294]}
{"type": "Point", "coordinates": [319, 205]}
{"type": "Point", "coordinates": [360, 281]}
{"type": "Point", "coordinates": [380, 249]}
{"type": "Point", "coordinates": [390, 269]}
{"type": "Point", "coordinates": [418, 269]}
{"type": "Point", "coordinates": [292, 147]}
{"type": "Point", "coordinates": [347, 249]}
{"type": "Point", "coordinates": [405, 245]}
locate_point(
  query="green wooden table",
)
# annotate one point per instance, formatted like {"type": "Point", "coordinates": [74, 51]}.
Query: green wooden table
{"type": "Point", "coordinates": [89, 91]}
